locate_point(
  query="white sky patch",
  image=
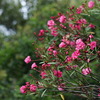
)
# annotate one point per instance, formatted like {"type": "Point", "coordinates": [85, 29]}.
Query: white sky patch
{"type": "Point", "coordinates": [24, 9]}
{"type": "Point", "coordinates": [5, 31]}
{"type": "Point", "coordinates": [23, 3]}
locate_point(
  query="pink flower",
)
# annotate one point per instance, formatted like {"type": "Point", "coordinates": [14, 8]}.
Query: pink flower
{"type": "Point", "coordinates": [62, 19]}
{"type": "Point", "coordinates": [79, 44]}
{"type": "Point", "coordinates": [82, 21]}
{"type": "Point", "coordinates": [60, 89]}
{"type": "Point", "coordinates": [74, 66]}
{"type": "Point", "coordinates": [79, 10]}
{"type": "Point", "coordinates": [86, 71]}
{"type": "Point", "coordinates": [54, 33]}
{"type": "Point", "coordinates": [43, 74]}
{"type": "Point", "coordinates": [62, 26]}
{"type": "Point", "coordinates": [27, 83]}
{"type": "Point", "coordinates": [27, 59]}
{"type": "Point", "coordinates": [41, 33]}
{"type": "Point", "coordinates": [57, 73]}
{"type": "Point", "coordinates": [75, 54]}
{"type": "Point", "coordinates": [55, 52]}
{"type": "Point", "coordinates": [62, 45]}
{"type": "Point", "coordinates": [91, 4]}
{"type": "Point", "coordinates": [50, 49]}
{"type": "Point", "coordinates": [23, 89]}
{"type": "Point", "coordinates": [91, 26]}
{"type": "Point", "coordinates": [72, 26]}
{"type": "Point", "coordinates": [91, 36]}
{"type": "Point", "coordinates": [69, 59]}
{"type": "Point", "coordinates": [78, 27]}
{"type": "Point", "coordinates": [72, 43]}
{"type": "Point", "coordinates": [99, 94]}
{"type": "Point", "coordinates": [50, 23]}
{"type": "Point", "coordinates": [34, 66]}
{"type": "Point", "coordinates": [33, 88]}
{"type": "Point", "coordinates": [92, 45]}
{"type": "Point", "coordinates": [44, 66]}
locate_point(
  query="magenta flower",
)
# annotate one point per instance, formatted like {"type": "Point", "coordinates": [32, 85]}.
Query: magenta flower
{"type": "Point", "coordinates": [57, 73]}
{"type": "Point", "coordinates": [44, 66]}
{"type": "Point", "coordinates": [54, 33]}
{"type": "Point", "coordinates": [92, 45]}
{"type": "Point", "coordinates": [62, 19]}
{"type": "Point", "coordinates": [55, 52]}
{"type": "Point", "coordinates": [79, 10]}
{"type": "Point", "coordinates": [91, 36]}
{"type": "Point", "coordinates": [79, 44]}
{"type": "Point", "coordinates": [75, 54]}
{"type": "Point", "coordinates": [91, 4]}
{"type": "Point", "coordinates": [68, 59]}
{"type": "Point", "coordinates": [50, 23]}
{"type": "Point", "coordinates": [43, 74]}
{"type": "Point", "coordinates": [91, 26]}
{"type": "Point", "coordinates": [33, 88]}
{"type": "Point", "coordinates": [27, 59]}
{"type": "Point", "coordinates": [86, 71]}
{"type": "Point", "coordinates": [82, 21]}
{"type": "Point", "coordinates": [50, 49]}
{"type": "Point", "coordinates": [34, 66]}
{"type": "Point", "coordinates": [41, 33]}
{"type": "Point", "coordinates": [62, 45]}
{"type": "Point", "coordinates": [60, 89]}
{"type": "Point", "coordinates": [23, 89]}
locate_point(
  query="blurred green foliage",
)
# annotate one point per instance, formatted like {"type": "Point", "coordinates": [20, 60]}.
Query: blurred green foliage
{"type": "Point", "coordinates": [14, 48]}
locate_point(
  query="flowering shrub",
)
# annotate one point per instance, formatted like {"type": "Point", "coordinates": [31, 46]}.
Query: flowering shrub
{"type": "Point", "coordinates": [69, 55]}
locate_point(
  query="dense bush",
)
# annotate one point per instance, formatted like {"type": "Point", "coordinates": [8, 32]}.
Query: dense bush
{"type": "Point", "coordinates": [69, 51]}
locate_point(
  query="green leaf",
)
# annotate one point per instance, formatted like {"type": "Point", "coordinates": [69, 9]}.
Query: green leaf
{"type": "Point", "coordinates": [43, 93]}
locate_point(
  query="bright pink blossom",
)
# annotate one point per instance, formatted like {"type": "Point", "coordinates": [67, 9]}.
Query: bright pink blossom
{"type": "Point", "coordinates": [50, 23]}
{"type": "Point", "coordinates": [91, 4]}
{"type": "Point", "coordinates": [62, 19]}
{"type": "Point", "coordinates": [27, 59]}
{"type": "Point", "coordinates": [86, 71]}
{"type": "Point", "coordinates": [92, 45]}
{"type": "Point", "coordinates": [41, 33]}
{"type": "Point", "coordinates": [57, 73]}
{"type": "Point", "coordinates": [91, 36]}
{"type": "Point", "coordinates": [75, 54]}
{"type": "Point", "coordinates": [23, 89]}
{"type": "Point", "coordinates": [34, 66]}
{"type": "Point", "coordinates": [43, 74]}
{"type": "Point", "coordinates": [33, 88]}
{"type": "Point", "coordinates": [62, 45]}
{"type": "Point", "coordinates": [80, 44]}
{"type": "Point", "coordinates": [55, 52]}
{"type": "Point", "coordinates": [60, 89]}
{"type": "Point", "coordinates": [91, 26]}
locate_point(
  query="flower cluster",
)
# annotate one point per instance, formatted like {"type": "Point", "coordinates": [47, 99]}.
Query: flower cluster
{"type": "Point", "coordinates": [70, 53]}
{"type": "Point", "coordinates": [28, 87]}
